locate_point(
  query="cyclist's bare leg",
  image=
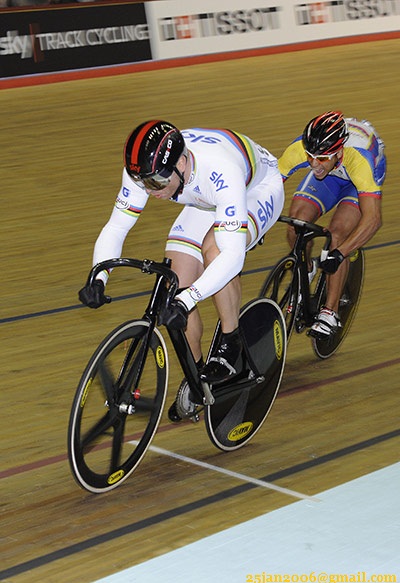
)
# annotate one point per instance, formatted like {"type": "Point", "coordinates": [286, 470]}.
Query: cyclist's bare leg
{"type": "Point", "coordinates": [346, 217]}
{"type": "Point", "coordinates": [188, 269]}
{"type": "Point", "coordinates": [304, 210]}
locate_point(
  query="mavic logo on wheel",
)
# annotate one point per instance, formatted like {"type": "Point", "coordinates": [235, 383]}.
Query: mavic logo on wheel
{"type": "Point", "coordinates": [160, 357]}
{"type": "Point", "coordinates": [85, 392]}
{"type": "Point", "coordinates": [289, 264]}
{"type": "Point", "coordinates": [115, 477]}
{"type": "Point", "coordinates": [278, 340]}
{"type": "Point", "coordinates": [240, 431]}
{"type": "Point", "coordinates": [354, 256]}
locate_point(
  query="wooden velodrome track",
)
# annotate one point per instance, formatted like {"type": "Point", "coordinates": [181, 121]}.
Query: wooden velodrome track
{"type": "Point", "coordinates": [335, 420]}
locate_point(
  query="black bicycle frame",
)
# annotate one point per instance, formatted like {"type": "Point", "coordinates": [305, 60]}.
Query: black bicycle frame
{"type": "Point", "coordinates": [305, 232]}
{"type": "Point", "coordinates": [163, 292]}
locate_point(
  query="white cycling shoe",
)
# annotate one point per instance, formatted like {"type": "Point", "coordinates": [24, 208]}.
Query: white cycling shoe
{"type": "Point", "coordinates": [326, 324]}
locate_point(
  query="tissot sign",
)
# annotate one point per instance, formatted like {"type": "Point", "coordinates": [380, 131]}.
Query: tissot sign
{"type": "Point", "coordinates": [181, 29]}
{"type": "Point", "coordinates": [41, 41]}
{"type": "Point", "coordinates": [209, 27]}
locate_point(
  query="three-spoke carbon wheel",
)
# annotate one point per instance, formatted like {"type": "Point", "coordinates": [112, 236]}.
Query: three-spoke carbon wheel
{"type": "Point", "coordinates": [117, 406]}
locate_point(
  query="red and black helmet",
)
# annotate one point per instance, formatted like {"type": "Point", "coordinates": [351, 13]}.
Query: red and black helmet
{"type": "Point", "coordinates": [153, 148]}
{"type": "Point", "coordinates": [326, 133]}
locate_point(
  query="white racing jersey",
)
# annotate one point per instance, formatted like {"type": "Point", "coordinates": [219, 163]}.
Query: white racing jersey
{"type": "Point", "coordinates": [237, 184]}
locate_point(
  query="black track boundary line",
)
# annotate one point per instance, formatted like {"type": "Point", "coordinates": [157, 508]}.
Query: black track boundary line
{"type": "Point", "coordinates": [13, 471]}
{"type": "Point", "coordinates": [145, 293]}
{"type": "Point", "coordinates": [190, 507]}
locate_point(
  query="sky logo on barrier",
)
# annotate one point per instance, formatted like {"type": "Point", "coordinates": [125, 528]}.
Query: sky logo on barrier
{"type": "Point", "coordinates": [15, 44]}
{"type": "Point", "coordinates": [220, 23]}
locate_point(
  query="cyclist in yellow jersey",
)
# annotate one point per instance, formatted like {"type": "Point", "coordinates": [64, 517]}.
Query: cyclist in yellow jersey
{"type": "Point", "coordinates": [348, 167]}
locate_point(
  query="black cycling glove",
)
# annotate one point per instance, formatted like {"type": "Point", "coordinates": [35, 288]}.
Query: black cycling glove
{"type": "Point", "coordinates": [175, 316]}
{"type": "Point", "coordinates": [332, 261]}
{"type": "Point", "coordinates": [93, 295]}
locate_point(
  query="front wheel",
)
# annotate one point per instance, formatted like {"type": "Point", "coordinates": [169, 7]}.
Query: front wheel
{"type": "Point", "coordinates": [243, 402]}
{"type": "Point", "coordinates": [348, 305]}
{"type": "Point", "coordinates": [117, 406]}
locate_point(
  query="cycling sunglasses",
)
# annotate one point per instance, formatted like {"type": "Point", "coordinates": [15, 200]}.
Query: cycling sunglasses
{"type": "Point", "coordinates": [320, 158]}
{"type": "Point", "coordinates": [153, 182]}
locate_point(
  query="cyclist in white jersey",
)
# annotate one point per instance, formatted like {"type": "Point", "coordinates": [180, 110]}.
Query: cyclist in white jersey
{"type": "Point", "coordinates": [348, 167]}
{"type": "Point", "coordinates": [232, 193]}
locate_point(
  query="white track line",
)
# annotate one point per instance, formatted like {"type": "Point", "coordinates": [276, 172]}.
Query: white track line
{"type": "Point", "coordinates": [248, 479]}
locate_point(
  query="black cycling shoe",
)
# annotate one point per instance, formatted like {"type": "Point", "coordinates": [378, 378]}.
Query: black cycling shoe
{"type": "Point", "coordinates": [221, 365]}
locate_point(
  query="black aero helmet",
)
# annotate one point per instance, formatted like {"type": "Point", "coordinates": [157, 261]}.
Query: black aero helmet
{"type": "Point", "coordinates": [325, 134]}
{"type": "Point", "coordinates": [153, 149]}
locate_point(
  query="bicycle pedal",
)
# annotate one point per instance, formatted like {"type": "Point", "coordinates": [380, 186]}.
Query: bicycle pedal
{"type": "Point", "coordinates": [299, 327]}
{"type": "Point", "coordinates": [195, 418]}
{"type": "Point", "coordinates": [319, 335]}
{"type": "Point", "coordinates": [344, 301]}
{"type": "Point", "coordinates": [252, 377]}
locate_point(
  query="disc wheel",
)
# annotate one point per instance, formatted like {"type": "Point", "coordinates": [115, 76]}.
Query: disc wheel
{"type": "Point", "coordinates": [242, 404]}
{"type": "Point", "coordinates": [348, 305]}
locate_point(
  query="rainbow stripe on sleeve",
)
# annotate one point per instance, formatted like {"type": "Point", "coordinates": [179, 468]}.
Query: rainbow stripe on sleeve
{"type": "Point", "coordinates": [244, 146]}
{"type": "Point", "coordinates": [222, 226]}
{"type": "Point", "coordinates": [132, 211]}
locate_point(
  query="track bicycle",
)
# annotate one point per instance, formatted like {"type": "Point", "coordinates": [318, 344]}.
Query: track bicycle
{"type": "Point", "coordinates": [300, 301]}
{"type": "Point", "coordinates": [121, 395]}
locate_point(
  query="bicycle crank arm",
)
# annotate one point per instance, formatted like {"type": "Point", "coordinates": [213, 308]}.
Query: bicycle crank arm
{"type": "Point", "coordinates": [208, 398]}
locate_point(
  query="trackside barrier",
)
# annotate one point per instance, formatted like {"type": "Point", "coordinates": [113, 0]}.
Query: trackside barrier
{"type": "Point", "coordinates": [86, 37]}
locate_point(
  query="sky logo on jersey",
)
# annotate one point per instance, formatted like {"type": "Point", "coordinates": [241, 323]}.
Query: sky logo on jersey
{"type": "Point", "coordinates": [194, 137]}
{"type": "Point", "coordinates": [230, 211]}
{"type": "Point", "coordinates": [265, 211]}
{"type": "Point", "coordinates": [218, 181]}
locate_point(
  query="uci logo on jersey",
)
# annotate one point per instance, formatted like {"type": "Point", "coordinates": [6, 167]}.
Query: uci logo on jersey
{"type": "Point", "coordinates": [231, 226]}
{"type": "Point", "coordinates": [121, 204]}
{"type": "Point", "coordinates": [218, 181]}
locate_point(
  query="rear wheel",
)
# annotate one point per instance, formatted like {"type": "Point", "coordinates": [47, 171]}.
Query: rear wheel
{"type": "Point", "coordinates": [347, 306]}
{"type": "Point", "coordinates": [117, 406]}
{"type": "Point", "coordinates": [282, 286]}
{"type": "Point", "coordinates": [242, 404]}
